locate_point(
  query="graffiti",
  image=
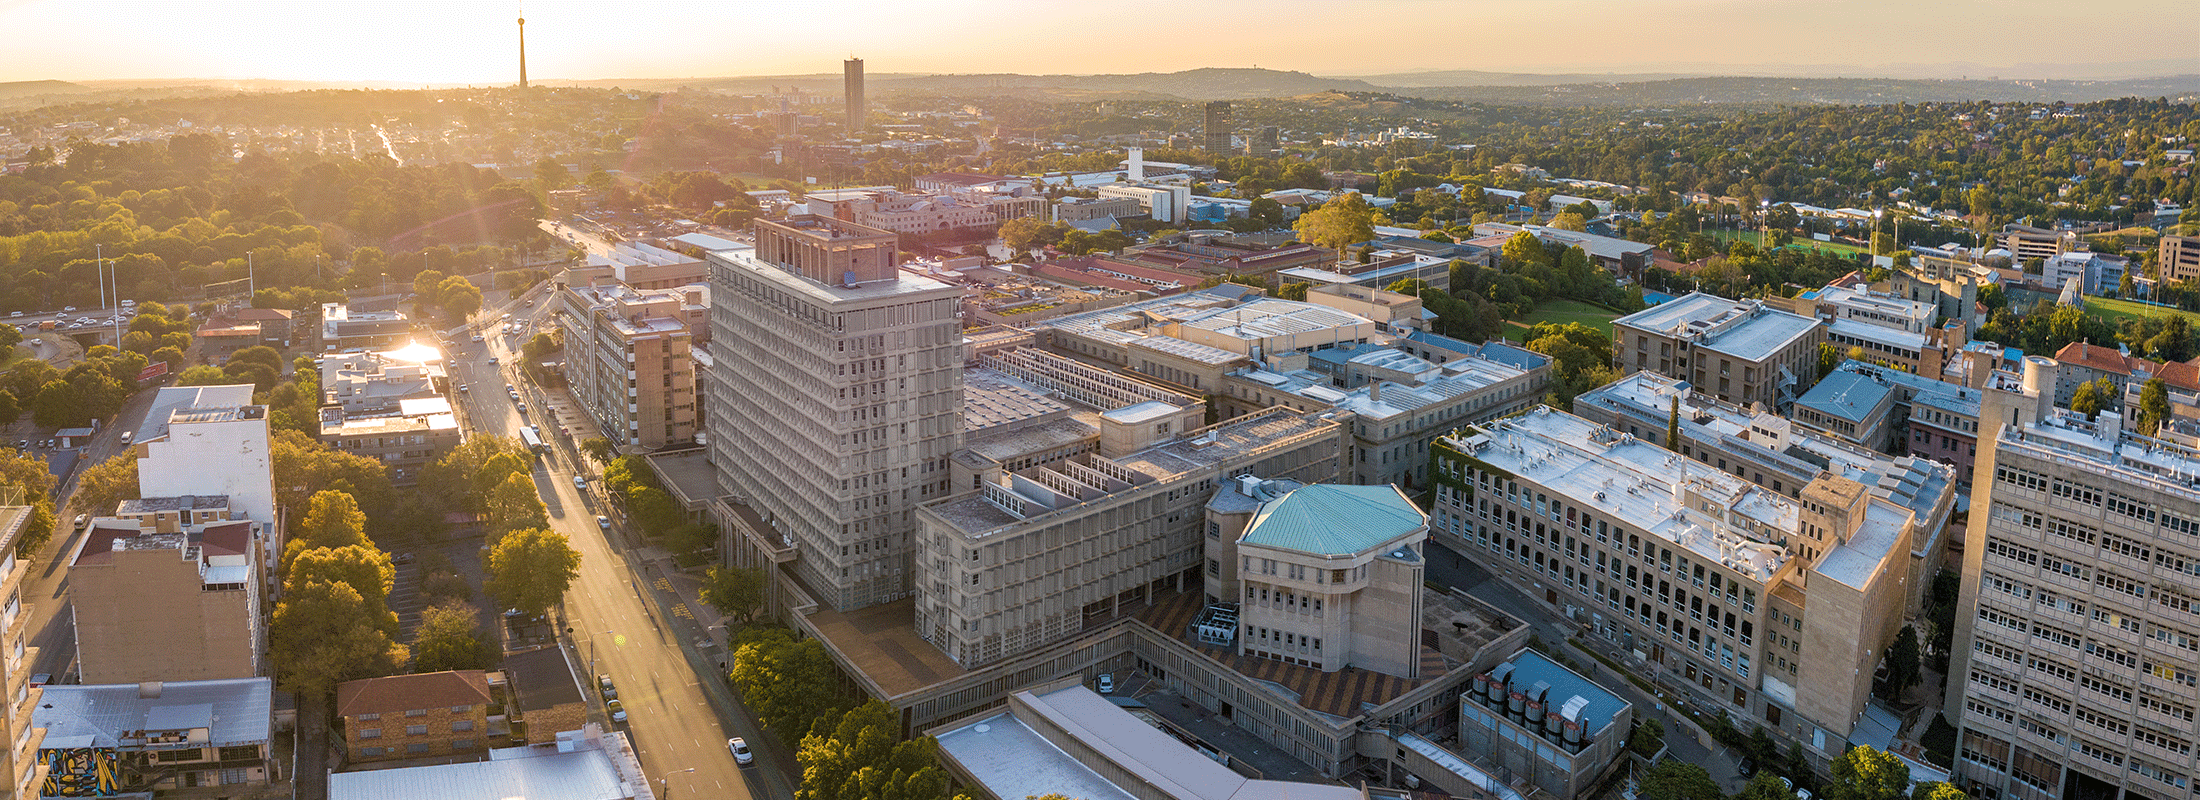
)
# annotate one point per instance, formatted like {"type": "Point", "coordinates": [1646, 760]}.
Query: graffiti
{"type": "Point", "coordinates": [82, 772]}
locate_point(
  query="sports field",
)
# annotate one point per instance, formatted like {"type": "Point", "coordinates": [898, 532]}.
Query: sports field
{"type": "Point", "coordinates": [1561, 312]}
{"type": "Point", "coordinates": [2119, 310]}
{"type": "Point", "coordinates": [1803, 243]}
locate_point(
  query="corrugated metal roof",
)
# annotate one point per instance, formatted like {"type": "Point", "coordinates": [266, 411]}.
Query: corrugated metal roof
{"type": "Point", "coordinates": [1330, 519]}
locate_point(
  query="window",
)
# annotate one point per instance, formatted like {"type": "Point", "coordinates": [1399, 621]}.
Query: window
{"type": "Point", "coordinates": [462, 725]}
{"type": "Point", "coordinates": [369, 717]}
{"type": "Point", "coordinates": [461, 709]}
{"type": "Point", "coordinates": [416, 730]}
{"type": "Point", "coordinates": [418, 712]}
{"type": "Point", "coordinates": [462, 744]}
{"type": "Point", "coordinates": [372, 752]}
{"type": "Point", "coordinates": [370, 733]}
{"type": "Point", "coordinates": [417, 747]}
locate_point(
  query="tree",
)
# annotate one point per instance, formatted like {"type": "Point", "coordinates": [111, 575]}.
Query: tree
{"type": "Point", "coordinates": [1648, 739]}
{"type": "Point", "coordinates": [1344, 220]}
{"type": "Point", "coordinates": [449, 638]}
{"type": "Point", "coordinates": [530, 569]}
{"type": "Point", "coordinates": [458, 298]}
{"type": "Point", "coordinates": [324, 634]}
{"type": "Point", "coordinates": [788, 683]}
{"type": "Point", "coordinates": [598, 448]}
{"type": "Point", "coordinates": [514, 505]}
{"type": "Point", "coordinates": [22, 472]}
{"type": "Point", "coordinates": [332, 519]}
{"type": "Point", "coordinates": [365, 569]}
{"type": "Point", "coordinates": [735, 591]}
{"type": "Point", "coordinates": [2153, 406]}
{"type": "Point", "coordinates": [1025, 234]}
{"type": "Point", "coordinates": [308, 467]}
{"type": "Point", "coordinates": [1829, 358]}
{"type": "Point", "coordinates": [59, 405]}
{"type": "Point", "coordinates": [1673, 426]}
{"type": "Point", "coordinates": [1569, 221]}
{"type": "Point", "coordinates": [1867, 773]}
{"type": "Point", "coordinates": [1904, 664]}
{"type": "Point", "coordinates": [105, 485]}
{"type": "Point", "coordinates": [2086, 400]}
{"type": "Point", "coordinates": [1678, 780]}
{"type": "Point", "coordinates": [1937, 790]}
{"type": "Point", "coordinates": [202, 375]}
{"type": "Point", "coordinates": [1765, 786]}
{"type": "Point", "coordinates": [10, 409]}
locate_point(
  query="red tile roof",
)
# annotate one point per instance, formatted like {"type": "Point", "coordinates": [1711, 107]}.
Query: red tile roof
{"type": "Point", "coordinates": [401, 693]}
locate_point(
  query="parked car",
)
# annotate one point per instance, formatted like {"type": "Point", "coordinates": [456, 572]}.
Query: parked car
{"type": "Point", "coordinates": [603, 684]}
{"type": "Point", "coordinates": [580, 482]}
{"type": "Point", "coordinates": [603, 522]}
{"type": "Point", "coordinates": [523, 409]}
{"type": "Point", "coordinates": [462, 388]}
{"type": "Point", "coordinates": [740, 749]}
{"type": "Point", "coordinates": [1107, 683]}
{"type": "Point", "coordinates": [618, 712]}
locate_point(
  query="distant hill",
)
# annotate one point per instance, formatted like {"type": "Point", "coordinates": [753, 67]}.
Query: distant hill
{"type": "Point", "coordinates": [1812, 91]}
{"type": "Point", "coordinates": [13, 89]}
{"type": "Point", "coordinates": [1468, 77]}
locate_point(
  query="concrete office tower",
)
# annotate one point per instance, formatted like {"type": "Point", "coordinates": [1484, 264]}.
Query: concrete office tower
{"type": "Point", "coordinates": [523, 52]}
{"type": "Point", "coordinates": [836, 401]}
{"type": "Point", "coordinates": [2075, 659]}
{"type": "Point", "coordinates": [851, 76]}
{"type": "Point", "coordinates": [19, 759]}
{"type": "Point", "coordinates": [1218, 127]}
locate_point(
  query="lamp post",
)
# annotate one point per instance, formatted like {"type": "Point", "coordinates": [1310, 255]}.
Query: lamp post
{"type": "Point", "coordinates": [664, 790]}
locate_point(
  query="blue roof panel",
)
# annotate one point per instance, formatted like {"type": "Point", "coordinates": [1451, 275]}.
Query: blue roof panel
{"type": "Point", "coordinates": [1330, 519]}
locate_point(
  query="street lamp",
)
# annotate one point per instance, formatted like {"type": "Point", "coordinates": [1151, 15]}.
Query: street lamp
{"type": "Point", "coordinates": [664, 791]}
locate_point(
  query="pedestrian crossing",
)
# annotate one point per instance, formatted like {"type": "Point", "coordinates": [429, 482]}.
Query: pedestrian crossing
{"type": "Point", "coordinates": [681, 610]}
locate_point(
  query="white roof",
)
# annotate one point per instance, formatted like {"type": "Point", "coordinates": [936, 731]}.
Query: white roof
{"type": "Point", "coordinates": [579, 775]}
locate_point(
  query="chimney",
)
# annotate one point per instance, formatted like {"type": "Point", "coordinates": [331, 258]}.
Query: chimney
{"type": "Point", "coordinates": [149, 690]}
{"type": "Point", "coordinates": [1375, 391]}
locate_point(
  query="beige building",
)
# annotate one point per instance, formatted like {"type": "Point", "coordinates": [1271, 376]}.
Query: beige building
{"type": "Point", "coordinates": [25, 770]}
{"type": "Point", "coordinates": [1021, 562]}
{"type": "Point", "coordinates": [415, 716]}
{"type": "Point", "coordinates": [2180, 258]}
{"type": "Point", "coordinates": [1325, 576]}
{"type": "Point", "coordinates": [420, 432]}
{"type": "Point", "coordinates": [1773, 611]}
{"type": "Point", "coordinates": [1082, 209]}
{"type": "Point", "coordinates": [154, 600]}
{"type": "Point", "coordinates": [837, 402]}
{"type": "Point", "coordinates": [1400, 401]}
{"type": "Point", "coordinates": [1740, 351]}
{"type": "Point", "coordinates": [629, 359]}
{"type": "Point", "coordinates": [2026, 242]}
{"type": "Point", "coordinates": [1192, 340]}
{"type": "Point", "coordinates": [2074, 670]}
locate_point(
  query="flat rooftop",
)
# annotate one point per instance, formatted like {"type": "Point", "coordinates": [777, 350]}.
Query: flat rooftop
{"type": "Point", "coordinates": [234, 712]}
{"type": "Point", "coordinates": [1644, 485]}
{"type": "Point", "coordinates": [1744, 329]}
{"type": "Point", "coordinates": [1847, 395]}
{"type": "Point", "coordinates": [881, 641]}
{"type": "Point", "coordinates": [744, 258]}
{"type": "Point", "coordinates": [1865, 553]}
{"type": "Point", "coordinates": [992, 399]}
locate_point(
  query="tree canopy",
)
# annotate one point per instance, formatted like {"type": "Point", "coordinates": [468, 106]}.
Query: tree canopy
{"type": "Point", "coordinates": [530, 569]}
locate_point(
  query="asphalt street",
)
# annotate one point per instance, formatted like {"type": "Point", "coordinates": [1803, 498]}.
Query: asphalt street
{"type": "Point", "coordinates": [613, 611]}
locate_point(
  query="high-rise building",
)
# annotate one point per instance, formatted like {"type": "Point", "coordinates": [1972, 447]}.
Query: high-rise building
{"type": "Point", "coordinates": [1218, 127]}
{"type": "Point", "coordinates": [630, 359]}
{"type": "Point", "coordinates": [1264, 141]}
{"type": "Point", "coordinates": [836, 402]}
{"type": "Point", "coordinates": [851, 77]}
{"type": "Point", "coordinates": [523, 52]}
{"type": "Point", "coordinates": [2075, 666]}
{"type": "Point", "coordinates": [169, 589]}
{"type": "Point", "coordinates": [19, 755]}
{"type": "Point", "coordinates": [2180, 258]}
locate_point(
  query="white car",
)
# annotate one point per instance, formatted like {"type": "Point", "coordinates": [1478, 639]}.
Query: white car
{"type": "Point", "coordinates": [740, 749]}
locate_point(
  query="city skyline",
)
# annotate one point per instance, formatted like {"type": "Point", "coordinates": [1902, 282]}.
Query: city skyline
{"type": "Point", "coordinates": [476, 42]}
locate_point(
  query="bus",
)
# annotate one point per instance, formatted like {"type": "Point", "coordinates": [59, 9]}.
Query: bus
{"type": "Point", "coordinates": [533, 440]}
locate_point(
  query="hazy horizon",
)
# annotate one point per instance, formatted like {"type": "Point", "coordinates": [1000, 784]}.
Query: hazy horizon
{"type": "Point", "coordinates": [476, 43]}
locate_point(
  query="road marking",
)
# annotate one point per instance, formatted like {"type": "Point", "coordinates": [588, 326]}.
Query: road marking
{"type": "Point", "coordinates": [664, 584]}
{"type": "Point", "coordinates": [681, 610]}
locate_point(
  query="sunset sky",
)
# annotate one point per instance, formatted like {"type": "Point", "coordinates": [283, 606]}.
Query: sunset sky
{"type": "Point", "coordinates": [460, 41]}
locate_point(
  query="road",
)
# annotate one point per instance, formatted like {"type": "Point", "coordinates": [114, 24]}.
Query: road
{"type": "Point", "coordinates": [587, 242]}
{"type": "Point", "coordinates": [614, 627]}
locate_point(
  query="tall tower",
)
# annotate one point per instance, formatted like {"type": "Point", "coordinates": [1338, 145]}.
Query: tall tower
{"type": "Point", "coordinates": [1218, 127]}
{"type": "Point", "coordinates": [523, 52]}
{"type": "Point", "coordinates": [851, 75]}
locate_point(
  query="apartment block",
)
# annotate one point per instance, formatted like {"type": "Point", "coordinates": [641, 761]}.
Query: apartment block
{"type": "Point", "coordinates": [153, 600]}
{"type": "Point", "coordinates": [837, 402]}
{"type": "Point", "coordinates": [1740, 351]}
{"type": "Point", "coordinates": [345, 329]}
{"type": "Point", "coordinates": [2074, 670]}
{"type": "Point", "coordinates": [415, 716]}
{"type": "Point", "coordinates": [2026, 242]}
{"type": "Point", "coordinates": [207, 440]}
{"type": "Point", "coordinates": [19, 758]}
{"type": "Point", "coordinates": [2180, 258]}
{"type": "Point", "coordinates": [630, 359]}
{"type": "Point", "coordinates": [369, 383]}
{"type": "Point", "coordinates": [1771, 610]}
{"type": "Point", "coordinates": [420, 432]}
{"type": "Point", "coordinates": [1940, 419]}
{"type": "Point", "coordinates": [1024, 560]}
{"type": "Point", "coordinates": [212, 737]}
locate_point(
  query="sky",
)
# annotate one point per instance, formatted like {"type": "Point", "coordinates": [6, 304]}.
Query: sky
{"type": "Point", "coordinates": [468, 42]}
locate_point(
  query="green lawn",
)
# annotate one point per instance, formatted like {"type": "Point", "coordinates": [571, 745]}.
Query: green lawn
{"type": "Point", "coordinates": [1561, 312]}
{"type": "Point", "coordinates": [2119, 310]}
{"type": "Point", "coordinates": [1804, 243]}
